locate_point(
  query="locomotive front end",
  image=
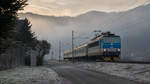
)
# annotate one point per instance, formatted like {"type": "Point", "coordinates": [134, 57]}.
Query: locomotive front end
{"type": "Point", "coordinates": [111, 48]}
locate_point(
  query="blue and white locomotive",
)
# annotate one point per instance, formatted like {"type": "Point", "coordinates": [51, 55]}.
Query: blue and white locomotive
{"type": "Point", "coordinates": [105, 47]}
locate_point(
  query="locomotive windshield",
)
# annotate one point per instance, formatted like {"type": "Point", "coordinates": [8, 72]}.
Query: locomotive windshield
{"type": "Point", "coordinates": [112, 39]}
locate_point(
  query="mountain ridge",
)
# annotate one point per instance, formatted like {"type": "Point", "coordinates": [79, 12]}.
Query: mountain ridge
{"type": "Point", "coordinates": [91, 11]}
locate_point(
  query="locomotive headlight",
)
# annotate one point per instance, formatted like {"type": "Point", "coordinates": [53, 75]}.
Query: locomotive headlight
{"type": "Point", "coordinates": [118, 49]}
{"type": "Point", "coordinates": [104, 50]}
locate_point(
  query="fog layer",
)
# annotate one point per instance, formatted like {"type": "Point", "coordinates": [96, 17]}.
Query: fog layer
{"type": "Point", "coordinates": [133, 26]}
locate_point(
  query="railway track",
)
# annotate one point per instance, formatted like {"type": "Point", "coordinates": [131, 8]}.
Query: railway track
{"type": "Point", "coordinates": [132, 62]}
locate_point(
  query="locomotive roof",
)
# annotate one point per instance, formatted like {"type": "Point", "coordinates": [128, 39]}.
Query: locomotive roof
{"type": "Point", "coordinates": [104, 34]}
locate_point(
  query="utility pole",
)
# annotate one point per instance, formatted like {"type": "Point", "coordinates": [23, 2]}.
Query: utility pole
{"type": "Point", "coordinates": [59, 50]}
{"type": "Point", "coordinates": [72, 46]}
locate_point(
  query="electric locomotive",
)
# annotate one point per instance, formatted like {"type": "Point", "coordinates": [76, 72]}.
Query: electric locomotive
{"type": "Point", "coordinates": [106, 46]}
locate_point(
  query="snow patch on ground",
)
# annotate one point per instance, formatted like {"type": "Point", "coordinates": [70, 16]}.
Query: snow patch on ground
{"type": "Point", "coordinates": [136, 72]}
{"type": "Point", "coordinates": [28, 75]}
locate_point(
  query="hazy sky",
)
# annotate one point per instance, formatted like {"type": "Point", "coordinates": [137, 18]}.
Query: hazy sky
{"type": "Point", "coordinates": [75, 7]}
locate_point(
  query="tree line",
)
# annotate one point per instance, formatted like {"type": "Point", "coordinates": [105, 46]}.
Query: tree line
{"type": "Point", "coordinates": [17, 41]}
